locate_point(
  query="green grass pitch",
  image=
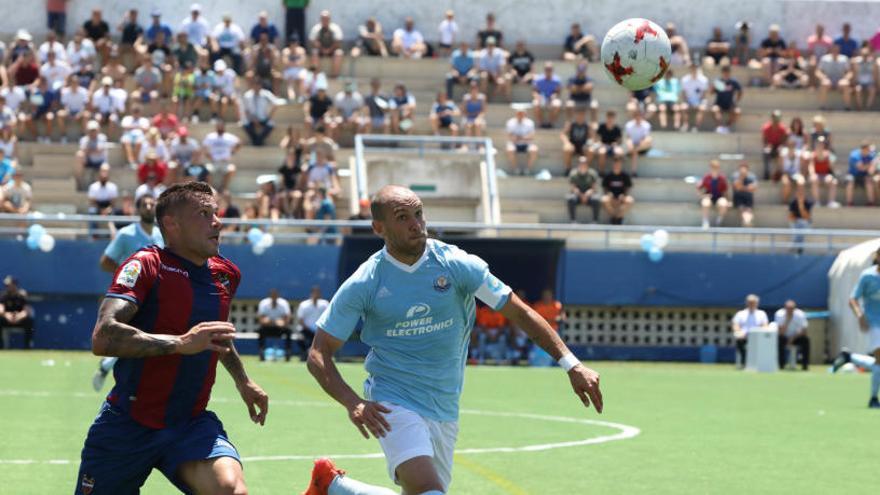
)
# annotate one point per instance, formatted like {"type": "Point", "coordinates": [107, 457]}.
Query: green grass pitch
{"type": "Point", "coordinates": [704, 429]}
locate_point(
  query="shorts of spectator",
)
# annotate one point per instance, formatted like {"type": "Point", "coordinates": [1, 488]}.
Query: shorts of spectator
{"type": "Point", "coordinates": [865, 78]}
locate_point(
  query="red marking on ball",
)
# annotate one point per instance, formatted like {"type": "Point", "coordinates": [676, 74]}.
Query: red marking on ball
{"type": "Point", "coordinates": [644, 29]}
{"type": "Point", "coordinates": [663, 66]}
{"type": "Point", "coordinates": [617, 70]}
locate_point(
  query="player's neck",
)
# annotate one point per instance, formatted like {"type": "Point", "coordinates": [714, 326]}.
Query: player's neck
{"type": "Point", "coordinates": [147, 227]}
{"type": "Point", "coordinates": [405, 258]}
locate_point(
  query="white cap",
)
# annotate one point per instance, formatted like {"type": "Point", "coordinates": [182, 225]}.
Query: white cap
{"type": "Point", "coordinates": [22, 34]}
{"type": "Point", "coordinates": [195, 8]}
{"type": "Point", "coordinates": [107, 81]}
{"type": "Point", "coordinates": [219, 65]}
{"type": "Point", "coordinates": [93, 125]}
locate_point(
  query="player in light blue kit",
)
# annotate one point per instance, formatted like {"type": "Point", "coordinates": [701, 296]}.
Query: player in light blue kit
{"type": "Point", "coordinates": [416, 299]}
{"type": "Point", "coordinates": [128, 240]}
{"type": "Point", "coordinates": [868, 313]}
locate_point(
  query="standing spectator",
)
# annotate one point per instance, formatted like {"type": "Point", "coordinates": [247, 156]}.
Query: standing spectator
{"type": "Point", "coordinates": [521, 139]}
{"type": "Point", "coordinates": [56, 16]}
{"type": "Point", "coordinates": [462, 71]}
{"type": "Point", "coordinates": [228, 40]}
{"type": "Point", "coordinates": [259, 105]}
{"type": "Point", "coordinates": [473, 109]}
{"type": "Point", "coordinates": [744, 186]}
{"type": "Point", "coordinates": [833, 73]}
{"type": "Point", "coordinates": [371, 39]}
{"type": "Point", "coordinates": [695, 86]}
{"type": "Point", "coordinates": [148, 82]}
{"type": "Point", "coordinates": [293, 58]}
{"type": "Point", "coordinates": [773, 134]}
{"type": "Point", "coordinates": [264, 26]}
{"type": "Point", "coordinates": [580, 93]}
{"type": "Point", "coordinates": [326, 41]}
{"type": "Point", "coordinates": [791, 167]}
{"type": "Point", "coordinates": [107, 104]}
{"type": "Point", "coordinates": [800, 212]}
{"type": "Point", "coordinates": [491, 67]}
{"type": "Point", "coordinates": [728, 93]}
{"type": "Point", "coordinates": [98, 31]}
{"type": "Point", "coordinates": [378, 106]}
{"type": "Point", "coordinates": [318, 110]}
{"type": "Point", "coordinates": [609, 142]}
{"type": "Point", "coordinates": [862, 172]}
{"type": "Point", "coordinates": [718, 50]}
{"type": "Point", "coordinates": [403, 106]}
{"type": "Point", "coordinates": [792, 325]}
{"type": "Point", "coordinates": [821, 172]}
{"type": "Point", "coordinates": [770, 51]}
{"type": "Point", "coordinates": [91, 155]}
{"type": "Point", "coordinates": [546, 102]}
{"type": "Point", "coordinates": [220, 147]}
{"type": "Point", "coordinates": [578, 45]}
{"type": "Point", "coordinates": [274, 314]}
{"type": "Point", "coordinates": [490, 31]}
{"type": "Point", "coordinates": [196, 26]}
{"type": "Point", "coordinates": [865, 78]}
{"type": "Point", "coordinates": [584, 183]}
{"type": "Point", "coordinates": [742, 42]}
{"type": "Point", "coordinates": [576, 139]}
{"type": "Point", "coordinates": [408, 42]}
{"type": "Point", "coordinates": [15, 196]}
{"type": "Point", "coordinates": [129, 31]}
{"type": "Point", "coordinates": [668, 92]}
{"type": "Point", "coordinates": [443, 115]}
{"type": "Point", "coordinates": [744, 321]}
{"type": "Point", "coordinates": [16, 312]}
{"type": "Point", "coordinates": [520, 61]}
{"type": "Point", "coordinates": [617, 201]}
{"type": "Point", "coordinates": [713, 193]}
{"type": "Point", "coordinates": [448, 29]}
{"type": "Point", "coordinates": [349, 105]}
{"type": "Point", "coordinates": [44, 102]}
{"type": "Point", "coordinates": [102, 193]}
{"type": "Point", "coordinates": [74, 102]}
{"type": "Point", "coordinates": [638, 140]}
{"type": "Point", "coordinates": [295, 20]}
{"type": "Point", "coordinates": [848, 46]}
{"type": "Point", "coordinates": [134, 127]}
{"type": "Point", "coordinates": [307, 314]}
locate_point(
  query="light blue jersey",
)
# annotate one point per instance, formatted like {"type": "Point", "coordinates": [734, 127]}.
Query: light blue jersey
{"type": "Point", "coordinates": [417, 322]}
{"type": "Point", "coordinates": [868, 290]}
{"type": "Point", "coordinates": [129, 239]}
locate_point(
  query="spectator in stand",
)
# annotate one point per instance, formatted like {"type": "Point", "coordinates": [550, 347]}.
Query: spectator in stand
{"type": "Point", "coordinates": [579, 45]}
{"type": "Point", "coordinates": [767, 59]}
{"type": "Point", "coordinates": [320, 141]}
{"type": "Point", "coordinates": [9, 143]}
{"type": "Point", "coordinates": [818, 44]}
{"type": "Point", "coordinates": [521, 139]}
{"type": "Point", "coordinates": [819, 130]}
{"type": "Point", "coordinates": [792, 325]}
{"type": "Point", "coordinates": [584, 185]}
{"type": "Point", "coordinates": [152, 165]}
{"type": "Point", "coordinates": [225, 96]}
{"type": "Point", "coordinates": [183, 149]}
{"type": "Point", "coordinates": [259, 105]}
{"type": "Point", "coordinates": [161, 53]}
{"type": "Point", "coordinates": [491, 67]}
{"type": "Point", "coordinates": [718, 50]}
{"type": "Point", "coordinates": [773, 134]}
{"type": "Point", "coordinates": [713, 193]}
{"type": "Point", "coordinates": [617, 201]}
{"type": "Point", "coordinates": [15, 196]}
{"type": "Point", "coordinates": [313, 79]}
{"type": "Point", "coordinates": [320, 175]}
{"type": "Point", "coordinates": [520, 62]}
{"type": "Point", "coordinates": [371, 40]}
{"type": "Point", "coordinates": [129, 31]}
{"type": "Point", "coordinates": [106, 104]}
{"type": "Point", "coordinates": [576, 139]}
{"type": "Point", "coordinates": [295, 20]}
{"type": "Point", "coordinates": [203, 93]}
{"type": "Point", "coordinates": [152, 187]}
{"type": "Point", "coordinates": [462, 71]}
{"type": "Point", "coordinates": [291, 169]}
{"type": "Point", "coordinates": [264, 26]}
{"type": "Point", "coordinates": [792, 72]}
{"type": "Point", "coordinates": [74, 102]}
{"type": "Point", "coordinates": [148, 82]}
{"type": "Point", "coordinates": [790, 164]}
{"type": "Point", "coordinates": [362, 214]}
{"type": "Point", "coordinates": [228, 40]}
{"type": "Point", "coordinates": [642, 101]}
{"type": "Point", "coordinates": [263, 61]}
{"type": "Point", "coordinates": [55, 70]}
{"type": "Point", "coordinates": [403, 105]}
{"type": "Point", "coordinates": [862, 172]}
{"type": "Point", "coordinates": [865, 78]}
{"type": "Point", "coordinates": [56, 16]}
{"type": "Point", "coordinates": [113, 67]}
{"type": "Point", "coordinates": [183, 91]}
{"type": "Point", "coordinates": [220, 147]}
{"type": "Point", "coordinates": [274, 316]}
{"type": "Point", "coordinates": [489, 338]}
{"type": "Point", "coordinates": [638, 140]}
{"type": "Point", "coordinates": [796, 133]}
{"type": "Point", "coordinates": [800, 212]}
{"type": "Point", "coordinates": [156, 26]}
{"type": "Point", "coordinates": [196, 26]}
{"type": "Point", "coordinates": [134, 128]}
{"type": "Point", "coordinates": [728, 93]}
{"type": "Point", "coordinates": [490, 31]}
{"type": "Point", "coordinates": [580, 93]}
{"type": "Point", "coordinates": [349, 105]}
{"type": "Point", "coordinates": [102, 193]}
{"type": "Point", "coordinates": [268, 199]}
{"type": "Point", "coordinates": [408, 42]}
{"type": "Point", "coordinates": [91, 155]}
{"type": "Point", "coordinates": [744, 321]}
{"type": "Point", "coordinates": [153, 143]}
{"type": "Point", "coordinates": [7, 168]}
{"type": "Point", "coordinates": [833, 72]}
{"type": "Point", "coordinates": [378, 107]}
{"type": "Point", "coordinates": [24, 43]}
{"type": "Point", "coordinates": [43, 103]}
{"type": "Point", "coordinates": [448, 29]}
{"type": "Point", "coordinates": [848, 46]}
{"type": "Point", "coordinates": [694, 86]}
{"type": "Point", "coordinates": [185, 52]}
{"type": "Point", "coordinates": [318, 110]}
{"type": "Point", "coordinates": [473, 110]}
{"type": "Point", "coordinates": [681, 53]}
{"type": "Point", "coordinates": [821, 172]}
{"type": "Point", "coordinates": [668, 92]}
{"type": "Point", "coordinates": [443, 115]}
{"type": "Point", "coordinates": [8, 115]}
{"type": "Point", "coordinates": [307, 314]}
{"type": "Point", "coordinates": [293, 59]}
{"type": "Point", "coordinates": [98, 31]}
{"type": "Point", "coordinates": [194, 170]}
{"type": "Point", "coordinates": [550, 309]}
{"type": "Point", "coordinates": [16, 312]}
{"type": "Point", "coordinates": [744, 186]}
{"type": "Point", "coordinates": [609, 142]}
{"type": "Point", "coordinates": [326, 41]}
{"type": "Point", "coordinates": [546, 101]}
{"type": "Point", "coordinates": [25, 70]}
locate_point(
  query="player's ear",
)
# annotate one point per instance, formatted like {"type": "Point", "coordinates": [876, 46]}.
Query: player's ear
{"type": "Point", "coordinates": [378, 228]}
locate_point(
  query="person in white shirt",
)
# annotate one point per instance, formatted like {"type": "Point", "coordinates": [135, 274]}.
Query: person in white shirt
{"type": "Point", "coordinates": [274, 315]}
{"type": "Point", "coordinates": [746, 320]}
{"type": "Point", "coordinates": [55, 71]}
{"type": "Point", "coordinates": [152, 187]}
{"type": "Point", "coordinates": [74, 106]}
{"type": "Point", "coordinates": [228, 40]}
{"type": "Point", "coordinates": [408, 42]}
{"type": "Point", "coordinates": [791, 323]}
{"type": "Point", "coordinates": [521, 139]}
{"type": "Point", "coordinates": [80, 51]}
{"type": "Point", "coordinates": [326, 41]}
{"type": "Point", "coordinates": [224, 90]}
{"type": "Point", "coordinates": [307, 314]}
{"type": "Point", "coordinates": [350, 107]}
{"type": "Point", "coordinates": [219, 147]}
{"type": "Point", "coordinates": [107, 103]}
{"type": "Point", "coordinates": [259, 105]}
{"type": "Point", "coordinates": [92, 152]}
{"type": "Point", "coordinates": [134, 128]}
{"type": "Point", "coordinates": [694, 86]}
{"type": "Point", "coordinates": [448, 31]}
{"type": "Point", "coordinates": [492, 67]}
{"type": "Point", "coordinates": [52, 45]}
{"type": "Point", "coordinates": [371, 40]}
{"type": "Point", "coordinates": [196, 26]}
{"type": "Point", "coordinates": [102, 193]}
{"type": "Point", "coordinates": [638, 140]}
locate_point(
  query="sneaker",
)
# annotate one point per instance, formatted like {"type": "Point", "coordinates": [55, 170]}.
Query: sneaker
{"type": "Point", "coordinates": [98, 379]}
{"type": "Point", "coordinates": [323, 475]}
{"type": "Point", "coordinates": [705, 224]}
{"type": "Point", "coordinates": [840, 360]}
{"type": "Point", "coordinates": [194, 119]}
{"type": "Point", "coordinates": [833, 204]}
{"type": "Point", "coordinates": [874, 403]}
{"type": "Point", "coordinates": [63, 139]}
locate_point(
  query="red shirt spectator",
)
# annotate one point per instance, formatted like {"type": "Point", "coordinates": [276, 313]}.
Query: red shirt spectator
{"type": "Point", "coordinates": [152, 166]}
{"type": "Point", "coordinates": [775, 133]}
{"type": "Point", "coordinates": [714, 185]}
{"type": "Point", "coordinates": [166, 122]}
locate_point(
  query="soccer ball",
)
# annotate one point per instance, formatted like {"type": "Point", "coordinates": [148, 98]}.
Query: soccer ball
{"type": "Point", "coordinates": [636, 53]}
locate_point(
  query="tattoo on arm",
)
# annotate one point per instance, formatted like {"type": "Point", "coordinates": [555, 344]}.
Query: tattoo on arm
{"type": "Point", "coordinates": [232, 362]}
{"type": "Point", "coordinates": [113, 336]}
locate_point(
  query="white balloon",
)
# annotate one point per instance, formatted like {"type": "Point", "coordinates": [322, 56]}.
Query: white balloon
{"type": "Point", "coordinates": [258, 249]}
{"type": "Point", "coordinates": [661, 238]}
{"type": "Point", "coordinates": [267, 240]}
{"type": "Point", "coordinates": [47, 243]}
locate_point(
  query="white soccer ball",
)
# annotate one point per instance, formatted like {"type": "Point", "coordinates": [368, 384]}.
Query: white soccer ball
{"type": "Point", "coordinates": [636, 53]}
{"type": "Point", "coordinates": [848, 368]}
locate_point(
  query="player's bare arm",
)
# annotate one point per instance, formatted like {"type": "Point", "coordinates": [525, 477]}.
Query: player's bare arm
{"type": "Point", "coordinates": [113, 336]}
{"type": "Point", "coordinates": [584, 381]}
{"type": "Point", "coordinates": [108, 265]}
{"type": "Point", "coordinates": [366, 415]}
{"type": "Point", "coordinates": [251, 393]}
{"type": "Point", "coordinates": [859, 314]}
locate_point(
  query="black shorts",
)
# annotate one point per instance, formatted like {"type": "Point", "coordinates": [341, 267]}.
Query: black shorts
{"type": "Point", "coordinates": [522, 147]}
{"type": "Point", "coordinates": [727, 107]}
{"type": "Point", "coordinates": [743, 200]}
{"type": "Point", "coordinates": [579, 147]}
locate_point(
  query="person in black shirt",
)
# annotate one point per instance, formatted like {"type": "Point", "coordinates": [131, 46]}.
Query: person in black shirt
{"type": "Point", "coordinates": [579, 45]}
{"type": "Point", "coordinates": [15, 312]}
{"type": "Point", "coordinates": [129, 29]}
{"type": "Point", "coordinates": [362, 214]}
{"type": "Point", "coordinates": [318, 111]}
{"type": "Point", "coordinates": [580, 93]}
{"type": "Point", "coordinates": [727, 92]}
{"type": "Point", "coordinates": [291, 197]}
{"type": "Point", "coordinates": [617, 201]}
{"type": "Point", "coordinates": [98, 31]}
{"type": "Point", "coordinates": [520, 62]}
{"type": "Point", "coordinates": [800, 211]}
{"type": "Point", "coordinates": [769, 54]}
{"type": "Point", "coordinates": [609, 138]}
{"type": "Point", "coordinates": [490, 31]}
{"type": "Point", "coordinates": [575, 139]}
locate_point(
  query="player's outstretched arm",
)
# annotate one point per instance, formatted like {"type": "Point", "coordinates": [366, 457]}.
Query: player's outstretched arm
{"type": "Point", "coordinates": [584, 381]}
{"type": "Point", "coordinates": [859, 314]}
{"type": "Point", "coordinates": [366, 415]}
{"type": "Point", "coordinates": [251, 393]}
{"type": "Point", "coordinates": [113, 336]}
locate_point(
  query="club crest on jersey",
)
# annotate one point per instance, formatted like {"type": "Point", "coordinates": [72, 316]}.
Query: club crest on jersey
{"type": "Point", "coordinates": [87, 484]}
{"type": "Point", "coordinates": [223, 278]}
{"type": "Point", "coordinates": [441, 283]}
{"type": "Point", "coordinates": [129, 274]}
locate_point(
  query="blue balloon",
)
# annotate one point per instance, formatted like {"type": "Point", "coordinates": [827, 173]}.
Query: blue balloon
{"type": "Point", "coordinates": [254, 235]}
{"type": "Point", "coordinates": [36, 231]}
{"type": "Point", "coordinates": [33, 243]}
{"type": "Point", "coordinates": [655, 254]}
{"type": "Point", "coordinates": [647, 242]}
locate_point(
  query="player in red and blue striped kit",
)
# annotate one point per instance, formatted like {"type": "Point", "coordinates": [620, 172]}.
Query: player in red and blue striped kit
{"type": "Point", "coordinates": [165, 317]}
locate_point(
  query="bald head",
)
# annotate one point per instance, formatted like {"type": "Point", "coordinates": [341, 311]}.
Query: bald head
{"type": "Point", "coordinates": [390, 197]}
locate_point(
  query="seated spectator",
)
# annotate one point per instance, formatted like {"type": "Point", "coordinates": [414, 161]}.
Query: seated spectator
{"type": "Point", "coordinates": [102, 193]}
{"type": "Point", "coordinates": [796, 132]}
{"type": "Point", "coordinates": [462, 71]}
{"type": "Point", "coordinates": [156, 26]}
{"type": "Point", "coordinates": [617, 201]}
{"type": "Point", "coordinates": [744, 186]}
{"type": "Point", "coordinates": [642, 101]}
{"type": "Point", "coordinates": [51, 45]}
{"type": "Point", "coordinates": [130, 30]}
{"type": "Point", "coordinates": [291, 169]}
{"type": "Point", "coordinates": [55, 71]}
{"type": "Point", "coordinates": [546, 101]}
{"type": "Point", "coordinates": [792, 71]}
{"type": "Point", "coordinates": [8, 115]}
{"type": "Point", "coordinates": [668, 92]}
{"type": "Point", "coordinates": [681, 53]}
{"type": "Point", "coordinates": [293, 58]}
{"type": "Point", "coordinates": [134, 130]}
{"type": "Point", "coordinates": [521, 139]}
{"type": "Point", "coordinates": [228, 40]}
{"type": "Point", "coordinates": [197, 169]}
{"type": "Point", "coordinates": [313, 80]}
{"type": "Point", "coordinates": [183, 91]}
{"type": "Point", "coordinates": [74, 103]}
{"type": "Point", "coordinates": [196, 26]}
{"type": "Point", "coordinates": [349, 105]}
{"type": "Point", "coordinates": [318, 110]}
{"type": "Point", "coordinates": [203, 96]}
{"type": "Point", "coordinates": [818, 44]}
{"type": "Point", "coordinates": [790, 165]}
{"type": "Point", "coordinates": [220, 147]}
{"type": "Point", "coordinates": [307, 314]}
{"type": "Point", "coordinates": [862, 172]}
{"type": "Point", "coordinates": [520, 61]}
{"type": "Point", "coordinates": [713, 193]}
{"type": "Point", "coordinates": [742, 42]}
{"type": "Point", "coordinates": [153, 143]}
{"type": "Point", "coordinates": [744, 321]}
{"type": "Point", "coordinates": [728, 93]}
{"type": "Point", "coordinates": [43, 103]}
{"type": "Point", "coordinates": [326, 42]}
{"type": "Point", "coordinates": [16, 195]}
{"type": "Point", "coordinates": [408, 42]}
{"type": "Point", "coordinates": [490, 30]}
{"type": "Point", "coordinates": [819, 130]}
{"type": "Point", "coordinates": [320, 175]}
{"type": "Point", "coordinates": [576, 139]}
{"type": "Point", "coordinates": [321, 141]}
{"type": "Point", "coordinates": [225, 96]}
{"type": "Point", "coordinates": [848, 46]}
{"type": "Point", "coordinates": [800, 211]}
{"type": "Point", "coordinates": [473, 110]}
{"type": "Point", "coordinates": [91, 155]}
{"type": "Point", "coordinates": [378, 107]}
{"type": "Point", "coordinates": [584, 185]}
{"type": "Point", "coordinates": [165, 121]}
{"type": "Point", "coordinates": [832, 72]}
{"type": "Point", "coordinates": [362, 214]}
{"type": "Point", "coordinates": [7, 168]}
{"type": "Point", "coordinates": [579, 45]}
{"type": "Point", "coordinates": [161, 54]}
{"type": "Point", "coordinates": [865, 78]}
{"type": "Point", "coordinates": [580, 93]}
{"type": "Point", "coordinates": [98, 31]}
{"type": "Point", "coordinates": [490, 332]}
{"type": "Point", "coordinates": [152, 187]}
{"type": "Point", "coordinates": [268, 199]}
{"type": "Point", "coordinates": [182, 151]}
{"type": "Point", "coordinates": [443, 115]}
{"type": "Point", "coordinates": [259, 105]}
{"type": "Point", "coordinates": [771, 50]}
{"type": "Point", "coordinates": [403, 110]}
{"type": "Point", "coordinates": [610, 138]}
{"type": "Point", "coordinates": [448, 29]}
{"type": "Point", "coordinates": [263, 60]}
{"type": "Point", "coordinates": [371, 40]}
{"type": "Point", "coordinates": [637, 141]}
{"type": "Point", "coordinates": [821, 172]}
{"type": "Point", "coordinates": [228, 209]}
{"type": "Point", "coordinates": [9, 143]}
{"type": "Point", "coordinates": [695, 87]}
{"type": "Point", "coordinates": [718, 50]}
{"type": "Point", "coordinates": [186, 53]}
{"type": "Point", "coordinates": [773, 135]}
{"type": "Point", "coordinates": [106, 104]}
{"type": "Point", "coordinates": [152, 165]}
{"type": "Point", "coordinates": [491, 67]}
{"type": "Point", "coordinates": [16, 312]}
{"type": "Point", "coordinates": [274, 316]}
{"type": "Point", "coordinates": [792, 324]}
{"type": "Point", "coordinates": [25, 70]}
{"type": "Point", "coordinates": [24, 43]}
{"type": "Point", "coordinates": [263, 26]}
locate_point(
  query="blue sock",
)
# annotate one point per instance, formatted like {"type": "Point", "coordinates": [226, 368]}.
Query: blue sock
{"type": "Point", "coordinates": [875, 380]}
{"type": "Point", "coordinates": [343, 485]}
{"type": "Point", "coordinates": [107, 364]}
{"type": "Point", "coordinates": [863, 361]}
{"type": "Point", "coordinates": [433, 492]}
